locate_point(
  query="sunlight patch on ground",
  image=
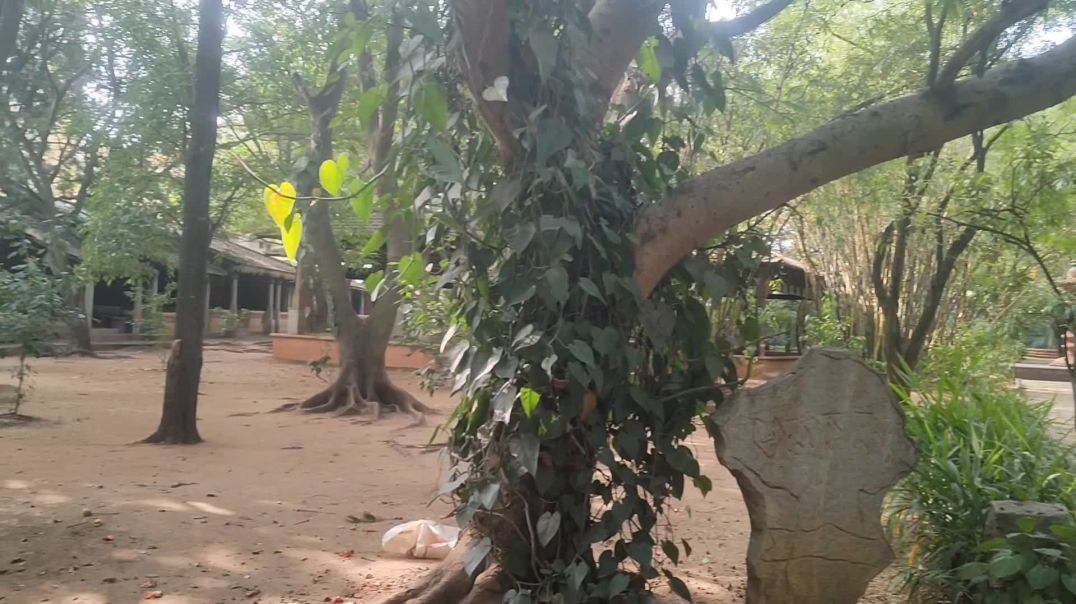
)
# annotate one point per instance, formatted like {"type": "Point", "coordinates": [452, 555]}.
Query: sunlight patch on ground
{"type": "Point", "coordinates": [354, 568]}
{"type": "Point", "coordinates": [174, 561]}
{"type": "Point", "coordinates": [159, 503]}
{"type": "Point", "coordinates": [16, 484]}
{"type": "Point", "coordinates": [223, 558]}
{"type": "Point", "coordinates": [50, 498]}
{"type": "Point", "coordinates": [126, 554]}
{"type": "Point", "coordinates": [83, 597]}
{"type": "Point", "coordinates": [209, 508]}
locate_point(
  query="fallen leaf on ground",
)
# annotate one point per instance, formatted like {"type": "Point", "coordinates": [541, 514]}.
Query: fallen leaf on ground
{"type": "Point", "coordinates": [347, 553]}
{"type": "Point", "coordinates": [108, 538]}
{"type": "Point", "coordinates": [153, 595]}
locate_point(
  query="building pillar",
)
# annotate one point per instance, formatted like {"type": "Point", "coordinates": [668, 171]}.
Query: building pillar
{"type": "Point", "coordinates": [208, 291]}
{"type": "Point", "coordinates": [235, 294]}
{"type": "Point", "coordinates": [293, 306]}
{"type": "Point", "coordinates": [87, 303]}
{"type": "Point", "coordinates": [271, 306]}
{"type": "Point", "coordinates": [278, 305]}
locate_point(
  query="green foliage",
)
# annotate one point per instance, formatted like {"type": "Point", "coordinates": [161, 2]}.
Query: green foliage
{"type": "Point", "coordinates": [976, 444]}
{"type": "Point", "coordinates": [31, 308]}
{"type": "Point", "coordinates": [1027, 567]}
{"type": "Point", "coordinates": [979, 356]}
{"type": "Point", "coordinates": [827, 328]}
{"type": "Point", "coordinates": [575, 389]}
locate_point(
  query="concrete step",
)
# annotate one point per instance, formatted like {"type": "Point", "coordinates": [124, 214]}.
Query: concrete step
{"type": "Point", "coordinates": [1040, 371]}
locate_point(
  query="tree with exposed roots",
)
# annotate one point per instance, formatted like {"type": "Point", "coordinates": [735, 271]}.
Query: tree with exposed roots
{"type": "Point", "coordinates": [571, 233]}
{"type": "Point", "coordinates": [302, 211]}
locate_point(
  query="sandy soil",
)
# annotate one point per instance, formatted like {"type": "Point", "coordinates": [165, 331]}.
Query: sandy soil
{"type": "Point", "coordinates": [260, 511]}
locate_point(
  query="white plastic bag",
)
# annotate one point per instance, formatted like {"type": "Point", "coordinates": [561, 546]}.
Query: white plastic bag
{"type": "Point", "coordinates": [420, 539]}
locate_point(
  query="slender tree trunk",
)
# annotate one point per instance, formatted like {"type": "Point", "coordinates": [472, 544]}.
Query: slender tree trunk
{"type": "Point", "coordinates": [310, 300]}
{"type": "Point", "coordinates": [179, 417]}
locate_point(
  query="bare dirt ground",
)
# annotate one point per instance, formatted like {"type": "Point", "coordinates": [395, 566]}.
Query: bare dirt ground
{"type": "Point", "coordinates": [260, 511]}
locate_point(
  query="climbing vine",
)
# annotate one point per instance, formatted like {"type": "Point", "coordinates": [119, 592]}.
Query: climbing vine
{"type": "Point", "coordinates": [577, 393]}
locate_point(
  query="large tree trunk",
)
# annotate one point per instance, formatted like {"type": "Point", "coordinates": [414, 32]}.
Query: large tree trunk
{"type": "Point", "coordinates": [702, 207]}
{"type": "Point", "coordinates": [179, 417]}
{"type": "Point", "coordinates": [310, 300]}
{"type": "Point", "coordinates": [363, 384]}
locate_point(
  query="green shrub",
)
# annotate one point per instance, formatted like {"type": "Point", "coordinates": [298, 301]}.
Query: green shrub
{"type": "Point", "coordinates": [977, 443]}
{"type": "Point", "coordinates": [1027, 567]}
{"type": "Point", "coordinates": [31, 306]}
{"type": "Point", "coordinates": [829, 329]}
{"type": "Point", "coordinates": [979, 355]}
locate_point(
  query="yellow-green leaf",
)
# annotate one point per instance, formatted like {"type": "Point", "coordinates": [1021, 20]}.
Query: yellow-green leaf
{"type": "Point", "coordinates": [292, 236]}
{"type": "Point", "coordinates": [279, 202]}
{"type": "Point", "coordinates": [647, 59]}
{"type": "Point", "coordinates": [530, 399]}
{"type": "Point", "coordinates": [330, 176]}
{"type": "Point", "coordinates": [343, 162]}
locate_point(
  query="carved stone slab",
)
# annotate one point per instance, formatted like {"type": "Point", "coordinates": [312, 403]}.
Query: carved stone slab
{"type": "Point", "coordinates": [814, 452]}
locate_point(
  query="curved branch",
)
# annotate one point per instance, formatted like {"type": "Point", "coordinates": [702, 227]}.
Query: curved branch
{"type": "Point", "coordinates": [1010, 14]}
{"type": "Point", "coordinates": [620, 27]}
{"type": "Point", "coordinates": [706, 205]}
{"type": "Point", "coordinates": [750, 21]}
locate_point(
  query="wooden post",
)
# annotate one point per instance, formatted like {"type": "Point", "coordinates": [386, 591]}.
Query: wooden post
{"type": "Point", "coordinates": [235, 294]}
{"type": "Point", "coordinates": [87, 304]}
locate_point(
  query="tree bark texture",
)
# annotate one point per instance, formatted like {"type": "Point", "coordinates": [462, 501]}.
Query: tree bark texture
{"type": "Point", "coordinates": [179, 416]}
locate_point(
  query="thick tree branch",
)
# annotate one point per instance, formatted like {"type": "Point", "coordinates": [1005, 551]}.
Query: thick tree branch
{"type": "Point", "coordinates": [620, 27]}
{"type": "Point", "coordinates": [751, 21]}
{"type": "Point", "coordinates": [483, 31]}
{"type": "Point", "coordinates": [1011, 13]}
{"type": "Point", "coordinates": [712, 202]}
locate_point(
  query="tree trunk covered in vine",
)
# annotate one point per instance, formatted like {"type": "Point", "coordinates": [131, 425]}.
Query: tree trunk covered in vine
{"type": "Point", "coordinates": [180, 414]}
{"type": "Point", "coordinates": [490, 440]}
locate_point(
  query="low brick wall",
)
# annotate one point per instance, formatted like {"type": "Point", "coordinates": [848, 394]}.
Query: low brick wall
{"type": "Point", "coordinates": [306, 348]}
